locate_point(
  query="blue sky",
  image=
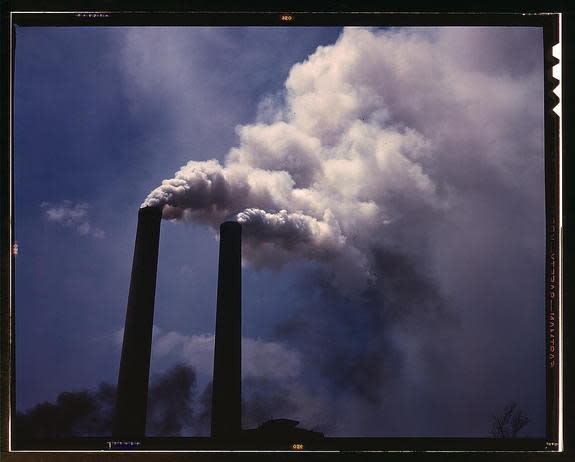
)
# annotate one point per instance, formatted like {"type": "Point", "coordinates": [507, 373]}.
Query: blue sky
{"type": "Point", "coordinates": [444, 327]}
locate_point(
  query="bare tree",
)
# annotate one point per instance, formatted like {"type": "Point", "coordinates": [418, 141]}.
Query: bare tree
{"type": "Point", "coordinates": [509, 422]}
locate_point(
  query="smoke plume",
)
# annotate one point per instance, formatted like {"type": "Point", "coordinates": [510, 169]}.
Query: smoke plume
{"type": "Point", "coordinates": [346, 162]}
{"type": "Point", "coordinates": [402, 161]}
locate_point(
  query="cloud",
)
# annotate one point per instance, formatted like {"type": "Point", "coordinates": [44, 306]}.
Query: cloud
{"type": "Point", "coordinates": [260, 358]}
{"type": "Point", "coordinates": [72, 215]}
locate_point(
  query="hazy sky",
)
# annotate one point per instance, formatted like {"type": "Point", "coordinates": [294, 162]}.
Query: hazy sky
{"type": "Point", "coordinates": [391, 188]}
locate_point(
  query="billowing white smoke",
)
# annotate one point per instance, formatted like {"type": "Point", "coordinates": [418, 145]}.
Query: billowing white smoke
{"type": "Point", "coordinates": [293, 231]}
{"type": "Point", "coordinates": [374, 134]}
{"type": "Point", "coordinates": [410, 164]}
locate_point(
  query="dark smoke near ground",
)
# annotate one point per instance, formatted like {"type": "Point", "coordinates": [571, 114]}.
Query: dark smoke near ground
{"type": "Point", "coordinates": [73, 414]}
{"type": "Point", "coordinates": [170, 401]}
{"type": "Point", "coordinates": [203, 416]}
{"type": "Point", "coordinates": [175, 408]}
{"type": "Point", "coordinates": [89, 413]}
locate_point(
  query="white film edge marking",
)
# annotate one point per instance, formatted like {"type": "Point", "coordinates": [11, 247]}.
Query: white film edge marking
{"type": "Point", "coordinates": [556, 50]}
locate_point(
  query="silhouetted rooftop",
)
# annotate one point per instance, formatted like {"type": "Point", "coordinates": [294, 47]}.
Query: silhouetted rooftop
{"type": "Point", "coordinates": [282, 429]}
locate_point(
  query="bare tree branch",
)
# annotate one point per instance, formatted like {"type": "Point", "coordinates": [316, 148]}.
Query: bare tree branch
{"type": "Point", "coordinates": [509, 422]}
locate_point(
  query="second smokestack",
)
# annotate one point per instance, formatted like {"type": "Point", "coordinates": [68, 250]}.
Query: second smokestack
{"type": "Point", "coordinates": [226, 391]}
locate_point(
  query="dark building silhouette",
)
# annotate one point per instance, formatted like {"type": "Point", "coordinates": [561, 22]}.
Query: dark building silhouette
{"type": "Point", "coordinates": [281, 431]}
{"type": "Point", "coordinates": [226, 392]}
{"type": "Point", "coordinates": [132, 391]}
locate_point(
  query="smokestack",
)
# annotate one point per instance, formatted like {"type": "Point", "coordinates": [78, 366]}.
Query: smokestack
{"type": "Point", "coordinates": [132, 392]}
{"type": "Point", "coordinates": [226, 392]}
